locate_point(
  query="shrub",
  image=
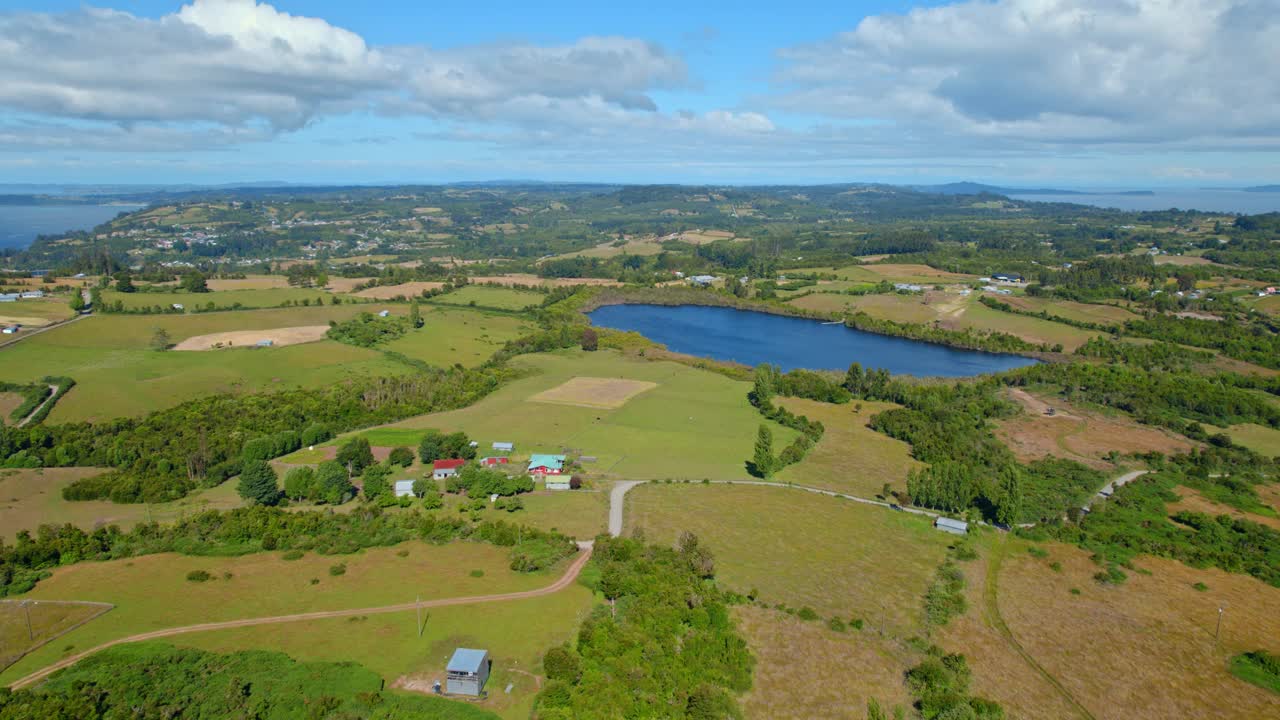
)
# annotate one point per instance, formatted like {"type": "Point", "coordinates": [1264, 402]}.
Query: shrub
{"type": "Point", "coordinates": [964, 551]}
{"type": "Point", "coordinates": [401, 456]}
{"type": "Point", "coordinates": [1200, 586]}
{"type": "Point", "coordinates": [1038, 552]}
{"type": "Point", "coordinates": [199, 576]}
{"type": "Point", "coordinates": [1113, 575]}
{"type": "Point", "coordinates": [856, 623]}
{"type": "Point", "coordinates": [292, 555]}
{"type": "Point", "coordinates": [337, 570]}
{"type": "Point", "coordinates": [836, 624]}
{"type": "Point", "coordinates": [807, 614]}
{"type": "Point", "coordinates": [477, 573]}
{"type": "Point", "coordinates": [1258, 667]}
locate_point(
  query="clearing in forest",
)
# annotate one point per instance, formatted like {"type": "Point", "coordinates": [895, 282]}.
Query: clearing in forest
{"type": "Point", "coordinates": [594, 392]}
{"type": "Point", "coordinates": [851, 457]}
{"type": "Point", "coordinates": [250, 338]}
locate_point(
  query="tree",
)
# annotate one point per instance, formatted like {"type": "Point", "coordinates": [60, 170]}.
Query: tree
{"type": "Point", "coordinates": [258, 484]}
{"type": "Point", "coordinates": [401, 456]}
{"type": "Point", "coordinates": [415, 315]}
{"type": "Point", "coordinates": [762, 463]}
{"type": "Point", "coordinates": [160, 339]}
{"type": "Point", "coordinates": [1010, 507]}
{"type": "Point", "coordinates": [333, 484]}
{"type": "Point", "coordinates": [77, 301]}
{"type": "Point", "coordinates": [300, 483]}
{"type": "Point", "coordinates": [590, 339]}
{"type": "Point", "coordinates": [438, 446]}
{"type": "Point", "coordinates": [429, 450]}
{"type": "Point", "coordinates": [356, 455]}
{"type": "Point", "coordinates": [315, 434]}
{"type": "Point", "coordinates": [561, 663]}
{"type": "Point", "coordinates": [124, 283]}
{"type": "Point", "coordinates": [195, 282]}
{"type": "Point", "coordinates": [376, 483]}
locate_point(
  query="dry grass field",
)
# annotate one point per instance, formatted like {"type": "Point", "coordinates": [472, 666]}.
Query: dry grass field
{"type": "Point", "coordinates": [850, 457]}
{"type": "Point", "coordinates": [1144, 649]}
{"type": "Point", "coordinates": [804, 670]}
{"type": "Point", "coordinates": [8, 403]}
{"type": "Point", "coordinates": [1083, 312]}
{"type": "Point", "coordinates": [593, 392]}
{"type": "Point", "coordinates": [409, 289]}
{"type": "Point", "coordinates": [1078, 434]}
{"type": "Point", "coordinates": [48, 620]}
{"type": "Point", "coordinates": [838, 557]}
{"type": "Point", "coordinates": [247, 338]}
{"type": "Point", "coordinates": [253, 282]}
{"type": "Point", "coordinates": [527, 280]}
{"type": "Point", "coordinates": [344, 284]}
{"type": "Point", "coordinates": [1195, 502]}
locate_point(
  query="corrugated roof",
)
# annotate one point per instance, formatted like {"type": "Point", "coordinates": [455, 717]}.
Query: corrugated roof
{"type": "Point", "coordinates": [447, 464]}
{"type": "Point", "coordinates": [547, 461]}
{"type": "Point", "coordinates": [504, 446]}
{"type": "Point", "coordinates": [957, 524]}
{"type": "Point", "coordinates": [402, 485]}
{"type": "Point", "coordinates": [467, 660]}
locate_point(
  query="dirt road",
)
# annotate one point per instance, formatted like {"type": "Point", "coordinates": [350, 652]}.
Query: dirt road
{"type": "Point", "coordinates": [563, 582]}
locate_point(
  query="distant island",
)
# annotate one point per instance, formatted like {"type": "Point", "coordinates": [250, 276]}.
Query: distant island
{"type": "Point", "coordinates": [972, 188]}
{"type": "Point", "coordinates": [1263, 188]}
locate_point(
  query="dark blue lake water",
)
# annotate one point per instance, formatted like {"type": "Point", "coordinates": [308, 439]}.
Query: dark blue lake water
{"type": "Point", "coordinates": [752, 338]}
{"type": "Point", "coordinates": [20, 224]}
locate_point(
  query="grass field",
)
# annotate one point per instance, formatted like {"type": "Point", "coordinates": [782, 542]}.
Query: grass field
{"type": "Point", "coordinates": [463, 336]}
{"type": "Point", "coordinates": [805, 670]}
{"type": "Point", "coordinates": [1192, 500]}
{"type": "Point", "coordinates": [695, 424]}
{"type": "Point", "coordinates": [899, 308]}
{"type": "Point", "coordinates": [601, 393]}
{"type": "Point", "coordinates": [1081, 312]}
{"type": "Point", "coordinates": [47, 620]}
{"type": "Point", "coordinates": [36, 313]}
{"type": "Point", "coordinates": [29, 498]}
{"type": "Point", "coordinates": [581, 514]}
{"type": "Point", "coordinates": [385, 292]}
{"type": "Point", "coordinates": [893, 272]}
{"type": "Point", "coordinates": [151, 592]}
{"type": "Point", "coordinates": [118, 374]}
{"type": "Point", "coordinates": [838, 557]}
{"type": "Point", "coordinates": [980, 317]}
{"type": "Point", "coordinates": [1143, 649]}
{"type": "Point", "coordinates": [271, 297]}
{"type": "Point", "coordinates": [252, 282]}
{"type": "Point", "coordinates": [1258, 438]}
{"type": "Point", "coordinates": [850, 457]}
{"type": "Point", "coordinates": [503, 298]}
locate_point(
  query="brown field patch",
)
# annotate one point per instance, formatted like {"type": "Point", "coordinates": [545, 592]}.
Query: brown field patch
{"type": "Point", "coordinates": [525, 279]}
{"type": "Point", "coordinates": [1080, 435]}
{"type": "Point", "coordinates": [804, 670]}
{"type": "Point", "coordinates": [8, 403]}
{"type": "Point", "coordinates": [262, 282]}
{"type": "Point", "coordinates": [1182, 260]}
{"type": "Point", "coordinates": [1143, 649]}
{"type": "Point", "coordinates": [593, 392]}
{"type": "Point", "coordinates": [409, 289]}
{"type": "Point", "coordinates": [1195, 502]}
{"type": "Point", "coordinates": [1086, 312]}
{"type": "Point", "coordinates": [249, 338]}
{"type": "Point", "coordinates": [914, 270]}
{"type": "Point", "coordinates": [344, 284]}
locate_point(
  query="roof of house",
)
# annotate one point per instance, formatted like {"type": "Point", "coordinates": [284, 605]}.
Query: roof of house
{"type": "Point", "coordinates": [547, 461]}
{"type": "Point", "coordinates": [404, 485]}
{"type": "Point", "coordinates": [467, 660]}
{"type": "Point", "coordinates": [504, 446]}
{"type": "Point", "coordinates": [447, 464]}
{"type": "Point", "coordinates": [955, 524]}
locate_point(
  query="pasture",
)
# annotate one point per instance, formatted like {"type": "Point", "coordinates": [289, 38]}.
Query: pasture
{"type": "Point", "coordinates": [603, 393]}
{"type": "Point", "coordinates": [31, 497]}
{"type": "Point", "coordinates": [1258, 438]}
{"type": "Point", "coordinates": [457, 335]}
{"type": "Point", "coordinates": [838, 557]}
{"type": "Point", "coordinates": [387, 292]}
{"type": "Point", "coordinates": [25, 626]}
{"type": "Point", "coordinates": [36, 313]}
{"type": "Point", "coordinates": [893, 272]}
{"type": "Point", "coordinates": [1034, 330]}
{"type": "Point", "coordinates": [1080, 312]}
{"type": "Point", "coordinates": [695, 424]}
{"type": "Point", "coordinates": [502, 298]}
{"type": "Point", "coordinates": [271, 297]}
{"type": "Point", "coordinates": [119, 374]}
{"type": "Point", "coordinates": [1143, 649]}
{"type": "Point", "coordinates": [851, 457]}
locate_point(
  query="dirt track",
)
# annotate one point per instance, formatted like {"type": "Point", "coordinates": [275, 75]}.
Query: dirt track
{"type": "Point", "coordinates": [564, 581]}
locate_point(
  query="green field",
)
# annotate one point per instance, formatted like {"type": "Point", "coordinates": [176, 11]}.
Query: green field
{"type": "Point", "coordinates": [118, 374]}
{"type": "Point", "coordinates": [980, 317]}
{"type": "Point", "coordinates": [850, 457]}
{"type": "Point", "coordinates": [696, 424]}
{"type": "Point", "coordinates": [893, 272]}
{"type": "Point", "coordinates": [581, 514]}
{"type": "Point", "coordinates": [835, 556]}
{"type": "Point", "coordinates": [458, 335]}
{"type": "Point", "coordinates": [1263, 440]}
{"type": "Point", "coordinates": [36, 312]}
{"type": "Point", "coordinates": [47, 621]}
{"type": "Point", "coordinates": [1080, 312]}
{"type": "Point", "coordinates": [250, 298]}
{"type": "Point", "coordinates": [151, 591]}
{"type": "Point", "coordinates": [502, 298]}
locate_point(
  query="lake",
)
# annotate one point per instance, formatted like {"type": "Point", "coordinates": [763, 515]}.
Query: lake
{"type": "Point", "coordinates": [20, 224]}
{"type": "Point", "coordinates": [1224, 201]}
{"type": "Point", "coordinates": [752, 338]}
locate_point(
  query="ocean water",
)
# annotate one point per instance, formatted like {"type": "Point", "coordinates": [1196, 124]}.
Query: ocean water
{"type": "Point", "coordinates": [1225, 201]}
{"type": "Point", "coordinates": [20, 224]}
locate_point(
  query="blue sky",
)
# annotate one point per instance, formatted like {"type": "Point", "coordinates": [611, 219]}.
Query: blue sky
{"type": "Point", "coordinates": [1023, 92]}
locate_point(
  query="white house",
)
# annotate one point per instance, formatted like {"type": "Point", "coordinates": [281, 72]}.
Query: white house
{"type": "Point", "coordinates": [10, 330]}
{"type": "Point", "coordinates": [404, 488]}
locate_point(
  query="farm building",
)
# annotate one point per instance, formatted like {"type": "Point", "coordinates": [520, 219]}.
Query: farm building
{"type": "Point", "coordinates": [955, 527]}
{"type": "Point", "coordinates": [445, 469]}
{"type": "Point", "coordinates": [11, 330]}
{"type": "Point", "coordinates": [703, 280]}
{"type": "Point", "coordinates": [1007, 277]}
{"type": "Point", "coordinates": [32, 294]}
{"type": "Point", "coordinates": [504, 446]}
{"type": "Point", "coordinates": [179, 306]}
{"type": "Point", "coordinates": [559, 482]}
{"type": "Point", "coordinates": [264, 343]}
{"type": "Point", "coordinates": [8, 297]}
{"type": "Point", "coordinates": [384, 313]}
{"type": "Point", "coordinates": [404, 488]}
{"type": "Point", "coordinates": [546, 464]}
{"type": "Point", "coordinates": [494, 461]}
{"type": "Point", "coordinates": [468, 670]}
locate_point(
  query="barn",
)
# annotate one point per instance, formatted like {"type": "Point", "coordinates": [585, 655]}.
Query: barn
{"type": "Point", "coordinates": [468, 671]}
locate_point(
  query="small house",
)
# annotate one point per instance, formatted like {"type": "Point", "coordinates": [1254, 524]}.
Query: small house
{"type": "Point", "coordinates": [546, 464]}
{"type": "Point", "coordinates": [8, 297]}
{"type": "Point", "coordinates": [11, 330]}
{"type": "Point", "coordinates": [404, 488]}
{"type": "Point", "coordinates": [1007, 277]}
{"type": "Point", "coordinates": [384, 313]}
{"type": "Point", "coordinates": [955, 527]}
{"type": "Point", "coordinates": [504, 446]}
{"type": "Point", "coordinates": [32, 294]}
{"type": "Point", "coordinates": [445, 469]}
{"type": "Point", "coordinates": [703, 280]}
{"type": "Point", "coordinates": [494, 461]}
{"type": "Point", "coordinates": [559, 482]}
{"type": "Point", "coordinates": [179, 306]}
{"type": "Point", "coordinates": [467, 672]}
{"type": "Point", "coordinates": [264, 343]}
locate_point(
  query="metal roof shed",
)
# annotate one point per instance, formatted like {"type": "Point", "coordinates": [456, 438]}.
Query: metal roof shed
{"type": "Point", "coordinates": [468, 670]}
{"type": "Point", "coordinates": [955, 527]}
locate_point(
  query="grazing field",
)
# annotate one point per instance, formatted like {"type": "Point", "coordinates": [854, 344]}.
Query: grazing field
{"type": "Point", "coordinates": [515, 633]}
{"type": "Point", "coordinates": [805, 670]}
{"type": "Point", "coordinates": [1080, 312]}
{"type": "Point", "coordinates": [632, 246]}
{"type": "Point", "coordinates": [1034, 330]}
{"type": "Point", "coordinates": [119, 374]}
{"type": "Point", "coordinates": [899, 308]}
{"type": "Point", "coordinates": [262, 298]}
{"type": "Point", "coordinates": [452, 336]}
{"type": "Point", "coordinates": [31, 497]}
{"type": "Point", "coordinates": [503, 298]}
{"type": "Point", "coordinates": [893, 272]}
{"type": "Point", "coordinates": [278, 337]}
{"type": "Point", "coordinates": [1074, 433]}
{"type": "Point", "coordinates": [1195, 502]}
{"type": "Point", "coordinates": [696, 424]}
{"type": "Point", "coordinates": [252, 282]}
{"type": "Point", "coordinates": [591, 392]}
{"type": "Point", "coordinates": [581, 514]}
{"type": "Point", "coordinates": [838, 557]}
{"type": "Point", "coordinates": [1258, 438]}
{"type": "Point", "coordinates": [8, 403]}
{"type": "Point", "coordinates": [850, 457]}
{"type": "Point", "coordinates": [527, 280]}
{"type": "Point", "coordinates": [36, 313]}
{"type": "Point", "coordinates": [47, 620]}
{"type": "Point", "coordinates": [1143, 649]}
{"type": "Point", "coordinates": [151, 592]}
{"type": "Point", "coordinates": [386, 292]}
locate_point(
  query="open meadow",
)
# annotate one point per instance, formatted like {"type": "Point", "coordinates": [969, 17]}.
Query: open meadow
{"type": "Point", "coordinates": [851, 457]}
{"type": "Point", "coordinates": [26, 625]}
{"type": "Point", "coordinates": [502, 298]}
{"type": "Point", "coordinates": [36, 313]}
{"type": "Point", "coordinates": [458, 336]}
{"type": "Point", "coordinates": [893, 272]}
{"type": "Point", "coordinates": [269, 297]}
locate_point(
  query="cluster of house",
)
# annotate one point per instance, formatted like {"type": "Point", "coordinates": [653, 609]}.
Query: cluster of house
{"type": "Point", "coordinates": [27, 295]}
{"type": "Point", "coordinates": [548, 468]}
{"type": "Point", "coordinates": [1268, 291]}
{"type": "Point", "coordinates": [908, 287]}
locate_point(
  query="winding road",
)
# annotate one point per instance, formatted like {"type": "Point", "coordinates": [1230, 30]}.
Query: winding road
{"type": "Point", "coordinates": [570, 575]}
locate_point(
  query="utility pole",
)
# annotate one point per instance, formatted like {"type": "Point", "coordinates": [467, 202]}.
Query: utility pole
{"type": "Point", "coordinates": [1218, 630]}
{"type": "Point", "coordinates": [26, 606]}
{"type": "Point", "coordinates": [417, 604]}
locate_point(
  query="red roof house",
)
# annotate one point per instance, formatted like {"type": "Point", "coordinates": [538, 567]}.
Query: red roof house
{"type": "Point", "coordinates": [443, 469]}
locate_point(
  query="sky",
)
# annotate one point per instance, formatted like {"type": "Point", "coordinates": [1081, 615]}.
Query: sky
{"type": "Point", "coordinates": [1026, 93]}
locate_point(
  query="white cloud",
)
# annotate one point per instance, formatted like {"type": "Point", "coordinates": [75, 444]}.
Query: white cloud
{"type": "Point", "coordinates": [1052, 71]}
